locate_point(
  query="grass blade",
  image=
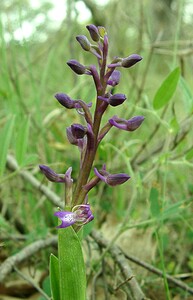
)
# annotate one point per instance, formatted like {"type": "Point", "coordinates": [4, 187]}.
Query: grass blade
{"type": "Point", "coordinates": [54, 277]}
{"type": "Point", "coordinates": [5, 138]}
{"type": "Point", "coordinates": [22, 141]}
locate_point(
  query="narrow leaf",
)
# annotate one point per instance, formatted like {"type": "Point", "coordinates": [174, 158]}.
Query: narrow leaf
{"type": "Point", "coordinates": [5, 138]}
{"type": "Point", "coordinates": [21, 141]}
{"type": "Point", "coordinates": [167, 89]}
{"type": "Point", "coordinates": [154, 202]}
{"type": "Point", "coordinates": [188, 97]}
{"type": "Point", "coordinates": [54, 277]}
{"type": "Point", "coordinates": [189, 154]}
{"type": "Point", "coordinates": [71, 265]}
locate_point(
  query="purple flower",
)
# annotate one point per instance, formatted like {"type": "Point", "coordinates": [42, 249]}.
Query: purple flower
{"type": "Point", "coordinates": [113, 100]}
{"type": "Point", "coordinates": [65, 100]}
{"type": "Point", "coordinates": [94, 33]}
{"type": "Point", "coordinates": [114, 78]}
{"type": "Point", "coordinates": [51, 175]}
{"type": "Point", "coordinates": [78, 131]}
{"type": "Point", "coordinates": [76, 67]}
{"type": "Point", "coordinates": [111, 179]}
{"type": "Point", "coordinates": [128, 125]}
{"type": "Point", "coordinates": [74, 141]}
{"type": "Point", "coordinates": [84, 42]}
{"type": "Point", "coordinates": [131, 60]}
{"type": "Point", "coordinates": [126, 62]}
{"type": "Point", "coordinates": [117, 99]}
{"type": "Point", "coordinates": [80, 215]}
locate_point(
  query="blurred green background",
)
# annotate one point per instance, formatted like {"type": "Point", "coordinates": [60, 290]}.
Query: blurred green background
{"type": "Point", "coordinates": [36, 40]}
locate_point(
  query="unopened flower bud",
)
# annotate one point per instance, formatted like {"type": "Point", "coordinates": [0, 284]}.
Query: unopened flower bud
{"type": "Point", "coordinates": [134, 123]}
{"type": "Point", "coordinates": [131, 60]}
{"type": "Point", "coordinates": [94, 33]}
{"type": "Point", "coordinates": [117, 179]}
{"type": "Point", "coordinates": [111, 179]}
{"type": "Point", "coordinates": [65, 100]}
{"type": "Point", "coordinates": [76, 67]}
{"type": "Point", "coordinates": [117, 99]}
{"type": "Point", "coordinates": [51, 175]}
{"type": "Point", "coordinates": [128, 125]}
{"type": "Point", "coordinates": [102, 31]}
{"type": "Point", "coordinates": [114, 78]}
{"type": "Point", "coordinates": [78, 131]}
{"type": "Point", "coordinates": [84, 42]}
{"type": "Point", "coordinates": [71, 137]}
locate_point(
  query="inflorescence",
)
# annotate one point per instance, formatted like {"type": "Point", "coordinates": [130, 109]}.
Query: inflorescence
{"type": "Point", "coordinates": [88, 136]}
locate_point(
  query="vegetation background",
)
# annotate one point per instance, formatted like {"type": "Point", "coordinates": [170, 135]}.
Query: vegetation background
{"type": "Point", "coordinates": [151, 215]}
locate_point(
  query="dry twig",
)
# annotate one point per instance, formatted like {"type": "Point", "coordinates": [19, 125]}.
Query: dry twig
{"type": "Point", "coordinates": [11, 262]}
{"type": "Point", "coordinates": [126, 271]}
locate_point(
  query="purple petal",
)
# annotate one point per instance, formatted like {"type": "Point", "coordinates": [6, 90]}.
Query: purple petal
{"type": "Point", "coordinates": [114, 78]}
{"type": "Point", "coordinates": [68, 218]}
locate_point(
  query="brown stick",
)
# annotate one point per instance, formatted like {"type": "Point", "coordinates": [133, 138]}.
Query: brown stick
{"type": "Point", "coordinates": [12, 165]}
{"type": "Point", "coordinates": [8, 265]}
{"type": "Point", "coordinates": [152, 269]}
{"type": "Point", "coordinates": [126, 271]}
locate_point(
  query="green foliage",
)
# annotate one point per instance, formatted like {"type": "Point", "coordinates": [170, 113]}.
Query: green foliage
{"type": "Point", "coordinates": [159, 156]}
{"type": "Point", "coordinates": [155, 206]}
{"type": "Point", "coordinates": [5, 138]}
{"type": "Point", "coordinates": [71, 265]}
{"type": "Point", "coordinates": [54, 277]}
{"type": "Point", "coordinates": [167, 89]}
{"type": "Point", "coordinates": [22, 141]}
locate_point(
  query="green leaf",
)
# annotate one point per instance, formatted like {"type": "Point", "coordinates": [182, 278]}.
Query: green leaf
{"type": "Point", "coordinates": [173, 209]}
{"type": "Point", "coordinates": [71, 265]}
{"type": "Point", "coordinates": [189, 154]}
{"type": "Point", "coordinates": [187, 94]}
{"type": "Point", "coordinates": [21, 141]}
{"type": "Point", "coordinates": [167, 89]}
{"type": "Point", "coordinates": [154, 202]}
{"type": "Point", "coordinates": [5, 138]}
{"type": "Point", "coordinates": [54, 277]}
{"type": "Point", "coordinates": [174, 125]}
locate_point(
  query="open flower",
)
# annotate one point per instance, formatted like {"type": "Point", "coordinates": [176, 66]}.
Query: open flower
{"type": "Point", "coordinates": [80, 215]}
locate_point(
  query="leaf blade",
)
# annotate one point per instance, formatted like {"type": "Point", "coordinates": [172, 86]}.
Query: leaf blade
{"type": "Point", "coordinates": [71, 265]}
{"type": "Point", "coordinates": [5, 137]}
{"type": "Point", "coordinates": [167, 89]}
{"type": "Point", "coordinates": [54, 277]}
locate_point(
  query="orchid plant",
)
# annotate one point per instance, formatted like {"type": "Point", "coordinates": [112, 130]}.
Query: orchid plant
{"type": "Point", "coordinates": [67, 272]}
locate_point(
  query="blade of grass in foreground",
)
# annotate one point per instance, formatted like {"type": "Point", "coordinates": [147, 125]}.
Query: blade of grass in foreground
{"type": "Point", "coordinates": [22, 141]}
{"type": "Point", "coordinates": [5, 138]}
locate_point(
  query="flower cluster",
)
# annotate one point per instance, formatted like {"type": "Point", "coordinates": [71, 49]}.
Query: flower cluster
{"type": "Point", "coordinates": [87, 136]}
